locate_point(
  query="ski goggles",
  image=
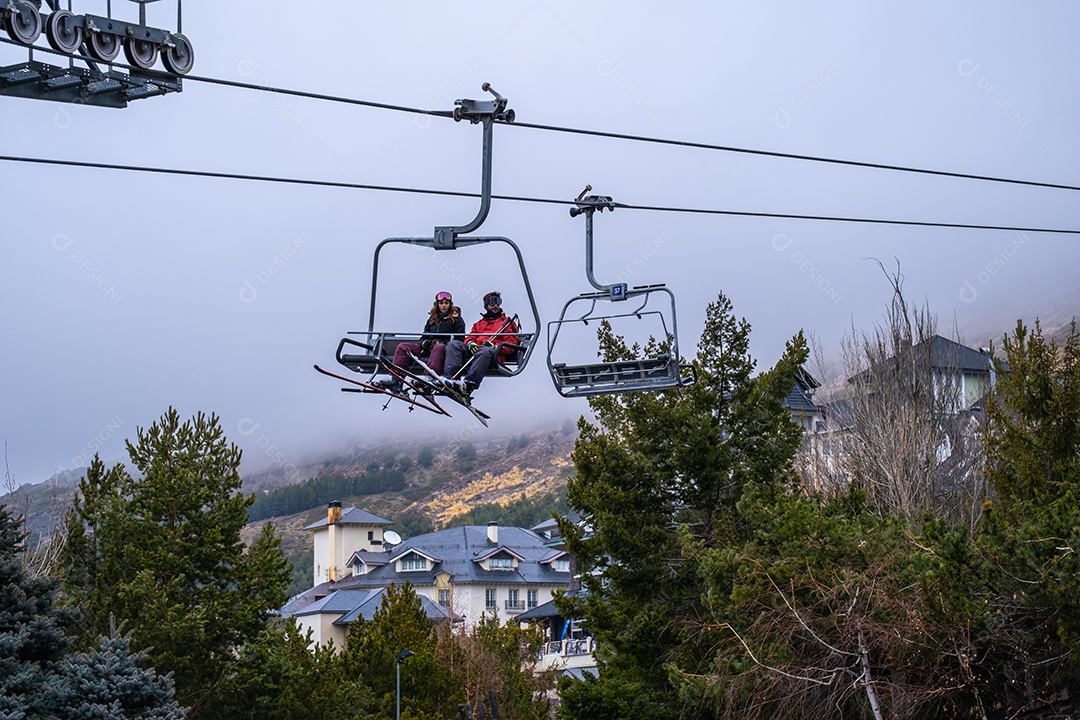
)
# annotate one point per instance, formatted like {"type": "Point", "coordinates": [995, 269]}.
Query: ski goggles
{"type": "Point", "coordinates": [493, 300]}
{"type": "Point", "coordinates": [444, 296]}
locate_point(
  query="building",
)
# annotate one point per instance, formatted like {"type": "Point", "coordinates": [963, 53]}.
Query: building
{"type": "Point", "coordinates": [960, 379]}
{"type": "Point", "coordinates": [568, 646]}
{"type": "Point", "coordinates": [461, 574]}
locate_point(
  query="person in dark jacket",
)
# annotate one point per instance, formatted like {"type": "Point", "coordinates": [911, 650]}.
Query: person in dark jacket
{"type": "Point", "coordinates": [443, 325]}
{"type": "Point", "coordinates": [482, 344]}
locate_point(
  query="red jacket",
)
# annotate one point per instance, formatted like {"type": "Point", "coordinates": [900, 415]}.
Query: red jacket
{"type": "Point", "coordinates": [487, 329]}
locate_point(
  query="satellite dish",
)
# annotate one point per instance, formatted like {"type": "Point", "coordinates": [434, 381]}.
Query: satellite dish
{"type": "Point", "coordinates": [391, 538]}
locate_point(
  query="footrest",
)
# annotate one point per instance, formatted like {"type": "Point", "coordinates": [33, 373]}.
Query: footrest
{"type": "Point", "coordinates": [616, 373]}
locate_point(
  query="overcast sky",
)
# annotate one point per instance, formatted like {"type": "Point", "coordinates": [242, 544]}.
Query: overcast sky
{"type": "Point", "coordinates": [123, 293]}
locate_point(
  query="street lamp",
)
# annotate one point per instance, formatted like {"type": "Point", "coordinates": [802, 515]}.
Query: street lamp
{"type": "Point", "coordinates": [401, 656]}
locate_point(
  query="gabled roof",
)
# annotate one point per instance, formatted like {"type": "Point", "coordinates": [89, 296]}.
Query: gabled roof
{"type": "Point", "coordinates": [369, 558]}
{"type": "Point", "coordinates": [457, 550]}
{"type": "Point", "coordinates": [495, 551]}
{"type": "Point", "coordinates": [799, 401]}
{"type": "Point", "coordinates": [553, 555]}
{"type": "Point", "coordinates": [415, 551]}
{"type": "Point", "coordinates": [351, 516]}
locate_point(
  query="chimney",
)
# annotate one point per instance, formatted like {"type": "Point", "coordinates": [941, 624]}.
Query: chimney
{"type": "Point", "coordinates": [333, 515]}
{"type": "Point", "coordinates": [493, 533]}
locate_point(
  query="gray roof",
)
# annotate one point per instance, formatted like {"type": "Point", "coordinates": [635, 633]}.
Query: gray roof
{"type": "Point", "coordinates": [352, 516]}
{"type": "Point", "coordinates": [458, 551]}
{"type": "Point", "coordinates": [337, 602]}
{"type": "Point", "coordinates": [546, 610]}
{"type": "Point", "coordinates": [305, 598]}
{"type": "Point", "coordinates": [366, 609]}
{"type": "Point", "coordinates": [945, 353]}
{"type": "Point", "coordinates": [352, 603]}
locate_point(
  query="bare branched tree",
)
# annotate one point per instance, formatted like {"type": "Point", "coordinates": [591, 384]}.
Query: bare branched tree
{"type": "Point", "coordinates": [41, 555]}
{"type": "Point", "coordinates": [901, 428]}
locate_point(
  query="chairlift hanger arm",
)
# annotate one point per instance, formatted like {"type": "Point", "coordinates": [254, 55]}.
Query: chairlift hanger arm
{"type": "Point", "coordinates": [485, 112]}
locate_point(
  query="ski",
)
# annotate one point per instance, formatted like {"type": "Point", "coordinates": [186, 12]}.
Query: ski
{"type": "Point", "coordinates": [427, 403]}
{"type": "Point", "coordinates": [449, 391]}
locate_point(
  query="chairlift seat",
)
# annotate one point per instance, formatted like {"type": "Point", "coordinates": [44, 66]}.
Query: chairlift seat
{"type": "Point", "coordinates": [658, 373]}
{"type": "Point", "coordinates": [380, 346]}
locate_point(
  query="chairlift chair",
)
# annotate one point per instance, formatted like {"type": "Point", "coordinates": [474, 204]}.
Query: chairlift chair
{"type": "Point", "coordinates": [661, 372]}
{"type": "Point", "coordinates": [372, 351]}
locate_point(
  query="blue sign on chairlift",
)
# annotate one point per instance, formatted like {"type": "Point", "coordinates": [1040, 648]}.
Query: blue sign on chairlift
{"type": "Point", "coordinates": [618, 291]}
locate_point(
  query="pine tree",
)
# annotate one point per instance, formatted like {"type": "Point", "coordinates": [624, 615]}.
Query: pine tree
{"type": "Point", "coordinates": [160, 552]}
{"type": "Point", "coordinates": [660, 474]}
{"type": "Point", "coordinates": [400, 624]}
{"type": "Point", "coordinates": [1033, 520]}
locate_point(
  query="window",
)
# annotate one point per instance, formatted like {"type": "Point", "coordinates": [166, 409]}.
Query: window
{"type": "Point", "coordinates": [500, 563]}
{"type": "Point", "coordinates": [444, 598]}
{"type": "Point", "coordinates": [562, 565]}
{"type": "Point", "coordinates": [490, 601]}
{"type": "Point", "coordinates": [512, 602]}
{"type": "Point", "coordinates": [413, 562]}
{"type": "Point", "coordinates": [531, 595]}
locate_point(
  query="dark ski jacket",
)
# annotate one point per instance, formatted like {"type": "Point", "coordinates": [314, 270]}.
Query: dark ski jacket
{"type": "Point", "coordinates": [445, 329]}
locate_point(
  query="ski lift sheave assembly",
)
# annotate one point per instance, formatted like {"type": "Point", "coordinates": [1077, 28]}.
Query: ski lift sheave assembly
{"type": "Point", "coordinates": [93, 39]}
{"type": "Point", "coordinates": [371, 352]}
{"type": "Point", "coordinates": [662, 372]}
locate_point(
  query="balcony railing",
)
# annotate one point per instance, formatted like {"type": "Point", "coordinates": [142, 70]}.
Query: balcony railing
{"type": "Point", "coordinates": [516, 605]}
{"type": "Point", "coordinates": [577, 646]}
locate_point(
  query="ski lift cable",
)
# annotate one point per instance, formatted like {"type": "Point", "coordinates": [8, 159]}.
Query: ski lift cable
{"type": "Point", "coordinates": [606, 134]}
{"type": "Point", "coordinates": [653, 140]}
{"type": "Point", "coordinates": [525, 199]}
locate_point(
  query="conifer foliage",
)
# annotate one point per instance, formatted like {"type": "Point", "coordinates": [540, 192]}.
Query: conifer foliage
{"type": "Point", "coordinates": [41, 678]}
{"type": "Point", "coordinates": [160, 552]}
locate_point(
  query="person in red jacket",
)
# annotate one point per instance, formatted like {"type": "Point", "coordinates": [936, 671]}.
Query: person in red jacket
{"type": "Point", "coordinates": [481, 347]}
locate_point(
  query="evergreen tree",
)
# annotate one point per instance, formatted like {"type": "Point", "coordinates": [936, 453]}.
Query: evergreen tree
{"type": "Point", "coordinates": [282, 677]}
{"type": "Point", "coordinates": [371, 648]}
{"type": "Point", "coordinates": [32, 632]}
{"type": "Point", "coordinates": [659, 473]}
{"type": "Point", "coordinates": [1033, 521]}
{"type": "Point", "coordinates": [41, 680]}
{"type": "Point", "coordinates": [161, 553]}
{"type": "Point", "coordinates": [111, 683]}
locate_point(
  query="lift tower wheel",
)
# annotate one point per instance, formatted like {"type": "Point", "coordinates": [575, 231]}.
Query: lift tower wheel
{"type": "Point", "coordinates": [179, 56]}
{"type": "Point", "coordinates": [140, 53]}
{"type": "Point", "coordinates": [62, 32]}
{"type": "Point", "coordinates": [104, 46]}
{"type": "Point", "coordinates": [23, 23]}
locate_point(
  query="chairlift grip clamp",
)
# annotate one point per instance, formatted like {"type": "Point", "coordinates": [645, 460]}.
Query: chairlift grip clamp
{"type": "Point", "coordinates": [591, 203]}
{"type": "Point", "coordinates": [478, 110]}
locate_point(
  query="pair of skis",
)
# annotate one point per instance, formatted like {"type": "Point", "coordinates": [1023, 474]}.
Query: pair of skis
{"type": "Point", "coordinates": [418, 390]}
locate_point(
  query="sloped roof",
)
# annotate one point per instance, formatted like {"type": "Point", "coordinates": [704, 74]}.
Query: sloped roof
{"type": "Point", "coordinates": [366, 609]}
{"type": "Point", "coordinates": [945, 353]}
{"type": "Point", "coordinates": [369, 557]}
{"type": "Point", "coordinates": [457, 549]}
{"type": "Point", "coordinates": [338, 602]}
{"type": "Point", "coordinates": [352, 516]}
{"type": "Point", "coordinates": [305, 598]}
